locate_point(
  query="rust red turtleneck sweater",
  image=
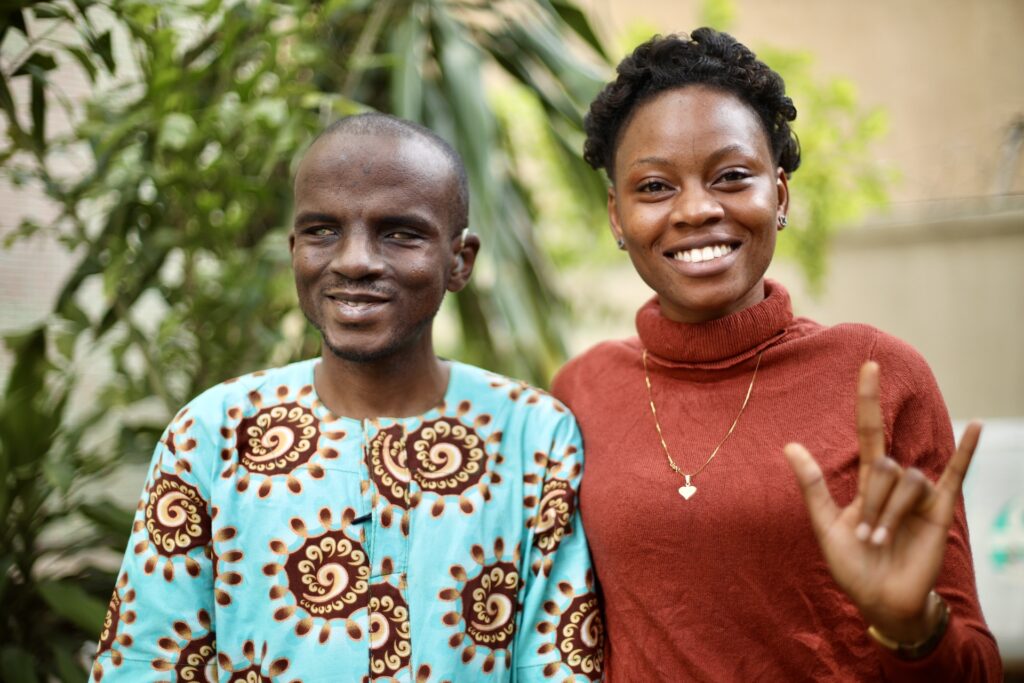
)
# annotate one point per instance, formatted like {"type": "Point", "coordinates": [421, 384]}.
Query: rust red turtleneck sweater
{"type": "Point", "coordinates": [731, 585]}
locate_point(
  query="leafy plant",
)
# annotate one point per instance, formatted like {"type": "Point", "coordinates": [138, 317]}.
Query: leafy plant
{"type": "Point", "coordinates": [178, 211]}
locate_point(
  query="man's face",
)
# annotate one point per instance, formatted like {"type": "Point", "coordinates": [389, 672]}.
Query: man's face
{"type": "Point", "coordinates": [373, 246]}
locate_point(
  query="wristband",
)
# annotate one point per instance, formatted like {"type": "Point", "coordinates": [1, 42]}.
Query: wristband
{"type": "Point", "coordinates": [922, 648]}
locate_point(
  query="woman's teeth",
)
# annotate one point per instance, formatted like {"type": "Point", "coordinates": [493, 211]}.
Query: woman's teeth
{"type": "Point", "coordinates": [703, 253]}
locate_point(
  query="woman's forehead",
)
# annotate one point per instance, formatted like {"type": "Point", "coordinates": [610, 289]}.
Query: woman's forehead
{"type": "Point", "coordinates": [695, 118]}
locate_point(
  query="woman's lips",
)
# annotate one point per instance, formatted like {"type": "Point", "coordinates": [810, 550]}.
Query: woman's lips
{"type": "Point", "coordinates": [704, 261]}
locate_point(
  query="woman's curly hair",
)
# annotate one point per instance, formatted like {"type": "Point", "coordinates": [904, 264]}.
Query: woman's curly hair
{"type": "Point", "coordinates": [707, 57]}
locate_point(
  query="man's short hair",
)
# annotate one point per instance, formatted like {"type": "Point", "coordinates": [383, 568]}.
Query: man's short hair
{"type": "Point", "coordinates": [378, 123]}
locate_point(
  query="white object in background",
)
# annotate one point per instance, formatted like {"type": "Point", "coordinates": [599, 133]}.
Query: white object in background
{"type": "Point", "coordinates": [994, 497]}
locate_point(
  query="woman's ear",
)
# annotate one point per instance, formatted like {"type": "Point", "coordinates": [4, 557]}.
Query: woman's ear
{"type": "Point", "coordinates": [782, 188]}
{"type": "Point", "coordinates": [613, 219]}
{"type": "Point", "coordinates": [467, 247]}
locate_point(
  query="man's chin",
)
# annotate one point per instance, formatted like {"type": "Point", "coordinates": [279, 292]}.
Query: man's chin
{"type": "Point", "coordinates": [358, 355]}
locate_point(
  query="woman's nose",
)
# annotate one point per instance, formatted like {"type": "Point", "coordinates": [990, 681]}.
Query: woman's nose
{"type": "Point", "coordinates": [696, 206]}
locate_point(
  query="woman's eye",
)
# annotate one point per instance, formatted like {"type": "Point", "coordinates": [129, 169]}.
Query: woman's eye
{"type": "Point", "coordinates": [653, 186]}
{"type": "Point", "coordinates": [733, 176]}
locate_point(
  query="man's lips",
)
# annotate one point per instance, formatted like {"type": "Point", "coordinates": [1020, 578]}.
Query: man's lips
{"type": "Point", "coordinates": [356, 297]}
{"type": "Point", "coordinates": [356, 306]}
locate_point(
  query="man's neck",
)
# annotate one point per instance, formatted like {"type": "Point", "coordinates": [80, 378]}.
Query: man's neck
{"type": "Point", "coordinates": [401, 385]}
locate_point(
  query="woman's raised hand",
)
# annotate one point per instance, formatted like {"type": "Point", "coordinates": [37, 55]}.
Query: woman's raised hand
{"type": "Point", "coordinates": [885, 548]}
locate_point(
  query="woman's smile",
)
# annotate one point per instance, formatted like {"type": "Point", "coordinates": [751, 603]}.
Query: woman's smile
{"type": "Point", "coordinates": [696, 200]}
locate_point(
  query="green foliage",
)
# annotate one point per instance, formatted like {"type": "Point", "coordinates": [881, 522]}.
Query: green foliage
{"type": "Point", "coordinates": [838, 180]}
{"type": "Point", "coordinates": [178, 212]}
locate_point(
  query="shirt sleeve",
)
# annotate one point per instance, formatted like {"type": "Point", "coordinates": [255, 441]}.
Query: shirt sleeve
{"type": "Point", "coordinates": [560, 632]}
{"type": "Point", "coordinates": [161, 612]}
{"type": "Point", "coordinates": [920, 434]}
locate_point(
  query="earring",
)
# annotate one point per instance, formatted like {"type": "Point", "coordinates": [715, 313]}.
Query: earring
{"type": "Point", "coordinates": [622, 243]}
{"type": "Point", "coordinates": [782, 221]}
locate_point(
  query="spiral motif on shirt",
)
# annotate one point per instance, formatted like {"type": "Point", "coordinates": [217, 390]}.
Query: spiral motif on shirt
{"type": "Point", "coordinates": [489, 605]}
{"type": "Point", "coordinates": [277, 439]}
{"type": "Point", "coordinates": [329, 575]}
{"type": "Point", "coordinates": [388, 465]}
{"type": "Point", "coordinates": [198, 661]}
{"type": "Point", "coordinates": [390, 645]}
{"type": "Point", "coordinates": [581, 636]}
{"type": "Point", "coordinates": [110, 622]}
{"type": "Point", "coordinates": [449, 457]}
{"type": "Point", "coordinates": [557, 505]}
{"type": "Point", "coordinates": [176, 516]}
{"type": "Point", "coordinates": [250, 674]}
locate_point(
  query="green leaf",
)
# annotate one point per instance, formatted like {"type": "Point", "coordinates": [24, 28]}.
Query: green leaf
{"type": "Point", "coordinates": [84, 60]}
{"type": "Point", "coordinates": [74, 604]}
{"type": "Point", "coordinates": [109, 516]}
{"type": "Point", "coordinates": [574, 17]}
{"type": "Point", "coordinates": [17, 665]}
{"type": "Point", "coordinates": [39, 113]}
{"type": "Point", "coordinates": [68, 668]}
{"type": "Point", "coordinates": [46, 10]}
{"type": "Point", "coordinates": [37, 63]}
{"type": "Point", "coordinates": [104, 47]}
{"type": "Point", "coordinates": [11, 18]}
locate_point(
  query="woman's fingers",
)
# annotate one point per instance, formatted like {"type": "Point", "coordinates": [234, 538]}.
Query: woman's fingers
{"type": "Point", "coordinates": [952, 479]}
{"type": "Point", "coordinates": [913, 487]}
{"type": "Point", "coordinates": [876, 488]}
{"type": "Point", "coordinates": [822, 508]}
{"type": "Point", "coordinates": [870, 427]}
{"type": "Point", "coordinates": [889, 504]}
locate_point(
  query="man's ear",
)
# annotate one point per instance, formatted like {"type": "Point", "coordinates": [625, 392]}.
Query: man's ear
{"type": "Point", "coordinates": [291, 242]}
{"type": "Point", "coordinates": [467, 248]}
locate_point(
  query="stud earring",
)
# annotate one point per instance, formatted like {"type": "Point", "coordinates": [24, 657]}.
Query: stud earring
{"type": "Point", "coordinates": [782, 221]}
{"type": "Point", "coordinates": [622, 243]}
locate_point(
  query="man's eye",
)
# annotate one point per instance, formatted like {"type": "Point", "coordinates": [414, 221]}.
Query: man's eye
{"type": "Point", "coordinates": [403, 235]}
{"type": "Point", "coordinates": [320, 231]}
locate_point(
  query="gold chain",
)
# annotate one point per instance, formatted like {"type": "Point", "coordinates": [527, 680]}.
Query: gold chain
{"type": "Point", "coordinates": [688, 489]}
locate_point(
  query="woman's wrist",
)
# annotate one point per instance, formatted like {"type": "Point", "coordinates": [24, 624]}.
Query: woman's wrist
{"type": "Point", "coordinates": [925, 640]}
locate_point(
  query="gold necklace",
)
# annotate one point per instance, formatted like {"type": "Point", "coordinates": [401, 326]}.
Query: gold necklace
{"type": "Point", "coordinates": [688, 489]}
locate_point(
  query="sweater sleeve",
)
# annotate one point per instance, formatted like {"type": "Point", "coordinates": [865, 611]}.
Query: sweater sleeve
{"type": "Point", "coordinates": [920, 435]}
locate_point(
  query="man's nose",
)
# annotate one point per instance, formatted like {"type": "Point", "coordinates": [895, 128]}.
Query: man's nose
{"type": "Point", "coordinates": [358, 256]}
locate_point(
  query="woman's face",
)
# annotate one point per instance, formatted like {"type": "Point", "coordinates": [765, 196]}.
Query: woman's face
{"type": "Point", "coordinates": [696, 199]}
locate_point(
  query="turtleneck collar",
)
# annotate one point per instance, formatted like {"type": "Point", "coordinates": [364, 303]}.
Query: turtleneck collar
{"type": "Point", "coordinates": [717, 343]}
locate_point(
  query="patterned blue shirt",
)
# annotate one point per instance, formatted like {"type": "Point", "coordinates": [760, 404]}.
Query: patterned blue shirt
{"type": "Point", "coordinates": [277, 541]}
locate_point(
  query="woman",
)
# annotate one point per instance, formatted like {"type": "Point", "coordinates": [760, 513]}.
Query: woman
{"type": "Point", "coordinates": [720, 558]}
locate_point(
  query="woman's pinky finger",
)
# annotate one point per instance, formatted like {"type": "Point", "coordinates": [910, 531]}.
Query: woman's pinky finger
{"type": "Point", "coordinates": [912, 487]}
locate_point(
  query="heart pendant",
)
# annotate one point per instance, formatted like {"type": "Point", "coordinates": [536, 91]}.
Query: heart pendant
{"type": "Point", "coordinates": [687, 491]}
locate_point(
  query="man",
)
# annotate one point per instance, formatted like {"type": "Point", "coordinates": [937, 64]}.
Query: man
{"type": "Point", "coordinates": [377, 514]}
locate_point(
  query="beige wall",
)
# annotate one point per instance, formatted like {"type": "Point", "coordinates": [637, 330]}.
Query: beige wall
{"type": "Point", "coordinates": [949, 72]}
{"type": "Point", "coordinates": [943, 267]}
{"type": "Point", "coordinates": [952, 286]}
